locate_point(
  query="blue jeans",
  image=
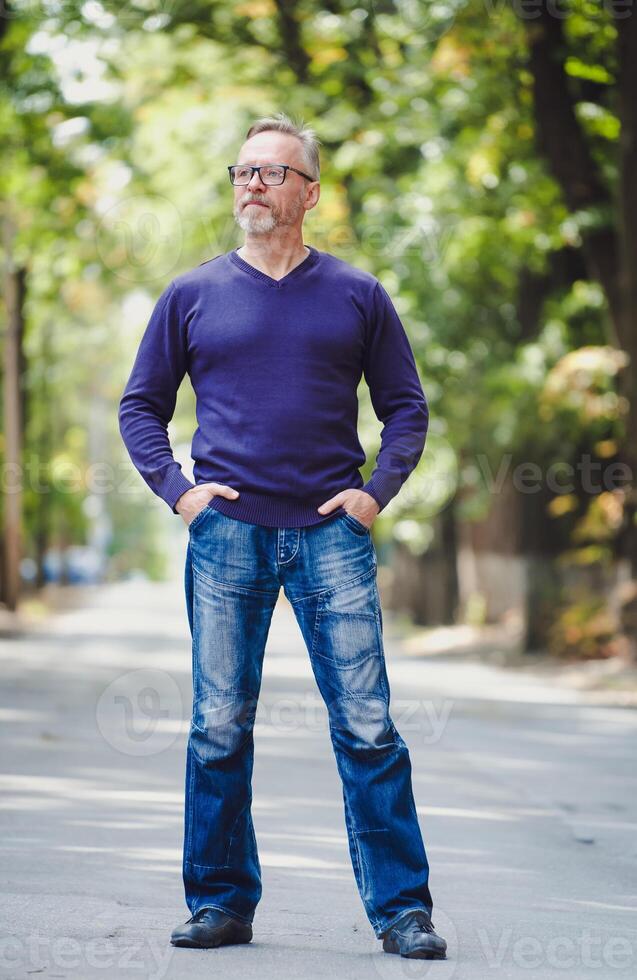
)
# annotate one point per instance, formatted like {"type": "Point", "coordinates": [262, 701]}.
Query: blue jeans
{"type": "Point", "coordinates": [234, 571]}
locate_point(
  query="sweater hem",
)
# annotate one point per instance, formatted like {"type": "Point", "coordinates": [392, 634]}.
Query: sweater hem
{"type": "Point", "coordinates": [271, 511]}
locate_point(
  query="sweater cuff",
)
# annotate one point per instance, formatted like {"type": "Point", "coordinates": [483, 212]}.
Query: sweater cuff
{"type": "Point", "coordinates": [382, 486]}
{"type": "Point", "coordinates": [175, 485]}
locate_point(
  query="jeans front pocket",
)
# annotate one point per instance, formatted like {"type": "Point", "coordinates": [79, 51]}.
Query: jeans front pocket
{"type": "Point", "coordinates": [353, 522]}
{"type": "Point", "coordinates": [201, 514]}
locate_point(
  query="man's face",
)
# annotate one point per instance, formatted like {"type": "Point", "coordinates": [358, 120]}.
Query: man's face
{"type": "Point", "coordinates": [258, 208]}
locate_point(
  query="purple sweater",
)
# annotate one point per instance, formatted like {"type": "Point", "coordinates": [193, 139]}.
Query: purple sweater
{"type": "Point", "coordinates": [275, 366]}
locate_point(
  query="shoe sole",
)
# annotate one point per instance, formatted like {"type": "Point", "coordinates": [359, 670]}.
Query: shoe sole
{"type": "Point", "coordinates": [191, 944]}
{"type": "Point", "coordinates": [220, 940]}
{"type": "Point", "coordinates": [417, 954]}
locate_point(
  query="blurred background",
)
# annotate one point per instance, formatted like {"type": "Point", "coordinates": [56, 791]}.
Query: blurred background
{"type": "Point", "coordinates": [477, 156]}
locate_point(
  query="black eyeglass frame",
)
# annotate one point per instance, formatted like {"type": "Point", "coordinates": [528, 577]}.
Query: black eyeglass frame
{"type": "Point", "coordinates": [284, 166]}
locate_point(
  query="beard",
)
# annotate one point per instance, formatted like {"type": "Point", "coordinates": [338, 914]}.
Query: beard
{"type": "Point", "coordinates": [262, 221]}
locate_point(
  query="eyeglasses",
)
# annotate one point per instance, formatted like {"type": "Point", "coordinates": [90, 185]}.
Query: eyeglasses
{"type": "Point", "coordinates": [273, 173]}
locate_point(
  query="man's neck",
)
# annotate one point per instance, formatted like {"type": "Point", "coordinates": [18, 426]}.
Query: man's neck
{"type": "Point", "coordinates": [273, 263]}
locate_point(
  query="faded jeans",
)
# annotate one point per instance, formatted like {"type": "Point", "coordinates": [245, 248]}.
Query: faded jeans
{"type": "Point", "coordinates": [233, 574]}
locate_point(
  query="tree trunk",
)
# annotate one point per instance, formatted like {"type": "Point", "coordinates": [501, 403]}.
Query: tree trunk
{"type": "Point", "coordinates": [14, 291]}
{"type": "Point", "coordinates": [627, 87]}
{"type": "Point", "coordinates": [627, 220]}
{"type": "Point", "coordinates": [610, 250]}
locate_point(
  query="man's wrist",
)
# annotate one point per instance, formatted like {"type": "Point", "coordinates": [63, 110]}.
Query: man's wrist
{"type": "Point", "coordinates": [178, 485]}
{"type": "Point", "coordinates": [180, 500]}
{"type": "Point", "coordinates": [371, 491]}
{"type": "Point", "coordinates": [174, 486]}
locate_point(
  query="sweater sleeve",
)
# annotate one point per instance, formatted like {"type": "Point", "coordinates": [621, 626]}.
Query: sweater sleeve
{"type": "Point", "coordinates": [397, 398]}
{"type": "Point", "coordinates": [148, 402]}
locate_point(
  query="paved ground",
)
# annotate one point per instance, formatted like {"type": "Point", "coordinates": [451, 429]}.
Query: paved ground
{"type": "Point", "coordinates": [526, 791]}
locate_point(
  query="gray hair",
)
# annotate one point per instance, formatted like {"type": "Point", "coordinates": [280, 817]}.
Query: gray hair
{"type": "Point", "coordinates": [281, 123]}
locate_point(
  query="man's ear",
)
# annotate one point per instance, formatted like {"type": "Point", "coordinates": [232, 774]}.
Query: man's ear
{"type": "Point", "coordinates": [313, 197]}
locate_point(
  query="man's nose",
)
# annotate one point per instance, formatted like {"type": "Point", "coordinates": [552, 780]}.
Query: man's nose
{"type": "Point", "coordinates": [255, 181]}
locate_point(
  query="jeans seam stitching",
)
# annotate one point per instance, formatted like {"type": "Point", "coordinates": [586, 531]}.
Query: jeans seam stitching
{"type": "Point", "coordinates": [292, 556]}
{"type": "Point", "coordinates": [191, 805]}
{"type": "Point", "coordinates": [349, 665]}
{"type": "Point", "coordinates": [337, 588]}
{"type": "Point", "coordinates": [212, 867]}
{"type": "Point", "coordinates": [319, 611]}
{"type": "Point", "coordinates": [379, 639]}
{"type": "Point", "coordinates": [224, 692]}
{"type": "Point", "coordinates": [225, 586]}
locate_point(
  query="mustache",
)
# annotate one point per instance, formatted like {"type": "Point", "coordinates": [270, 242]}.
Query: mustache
{"type": "Point", "coordinates": [253, 200]}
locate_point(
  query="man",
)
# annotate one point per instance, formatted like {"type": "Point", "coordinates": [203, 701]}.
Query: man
{"type": "Point", "coordinates": [275, 336]}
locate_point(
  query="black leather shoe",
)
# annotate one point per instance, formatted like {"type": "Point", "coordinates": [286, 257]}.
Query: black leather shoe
{"type": "Point", "coordinates": [413, 936]}
{"type": "Point", "coordinates": [211, 927]}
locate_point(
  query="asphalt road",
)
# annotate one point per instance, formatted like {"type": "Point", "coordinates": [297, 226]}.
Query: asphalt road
{"type": "Point", "coordinates": [526, 793]}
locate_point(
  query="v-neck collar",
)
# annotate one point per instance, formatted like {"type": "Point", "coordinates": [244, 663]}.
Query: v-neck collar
{"type": "Point", "coordinates": [300, 269]}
